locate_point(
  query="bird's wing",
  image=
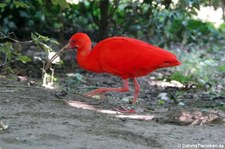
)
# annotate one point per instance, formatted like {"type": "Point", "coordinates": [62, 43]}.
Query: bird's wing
{"type": "Point", "coordinates": [131, 57]}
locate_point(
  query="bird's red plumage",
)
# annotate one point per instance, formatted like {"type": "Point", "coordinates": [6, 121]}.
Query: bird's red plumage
{"type": "Point", "coordinates": [125, 57]}
{"type": "Point", "coordinates": [121, 56]}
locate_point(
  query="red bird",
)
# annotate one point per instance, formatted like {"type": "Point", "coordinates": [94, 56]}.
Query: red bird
{"type": "Point", "coordinates": [125, 57]}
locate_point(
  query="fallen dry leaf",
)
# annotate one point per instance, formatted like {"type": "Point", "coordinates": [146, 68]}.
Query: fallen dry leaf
{"type": "Point", "coordinates": [198, 117]}
{"type": "Point", "coordinates": [3, 126]}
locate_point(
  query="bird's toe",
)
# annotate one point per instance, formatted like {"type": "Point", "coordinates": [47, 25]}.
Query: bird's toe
{"type": "Point", "coordinates": [125, 110]}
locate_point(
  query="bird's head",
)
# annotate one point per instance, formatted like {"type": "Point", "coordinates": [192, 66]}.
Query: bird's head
{"type": "Point", "coordinates": [77, 41]}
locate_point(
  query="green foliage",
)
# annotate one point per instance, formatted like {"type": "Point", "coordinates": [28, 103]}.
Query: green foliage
{"type": "Point", "coordinates": [11, 50]}
{"type": "Point", "coordinates": [20, 4]}
{"type": "Point", "coordinates": [15, 3]}
{"type": "Point", "coordinates": [159, 22]}
{"type": "Point", "coordinates": [179, 76]}
{"type": "Point", "coordinates": [24, 17]}
{"type": "Point", "coordinates": [200, 66]}
{"type": "Point", "coordinates": [10, 54]}
{"type": "Point", "coordinates": [6, 48]}
{"type": "Point", "coordinates": [161, 102]}
{"type": "Point", "coordinates": [188, 31]}
{"type": "Point", "coordinates": [222, 68]}
{"type": "Point", "coordinates": [2, 5]}
{"type": "Point", "coordinates": [26, 4]}
{"type": "Point", "coordinates": [42, 41]}
{"type": "Point", "coordinates": [23, 58]}
{"type": "Point", "coordinates": [62, 3]}
{"type": "Point", "coordinates": [222, 27]}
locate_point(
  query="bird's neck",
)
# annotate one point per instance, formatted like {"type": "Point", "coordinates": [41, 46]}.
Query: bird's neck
{"type": "Point", "coordinates": [84, 51]}
{"type": "Point", "coordinates": [86, 59]}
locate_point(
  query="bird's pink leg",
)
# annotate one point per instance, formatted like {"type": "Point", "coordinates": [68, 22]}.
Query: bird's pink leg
{"type": "Point", "coordinates": [136, 93]}
{"type": "Point", "coordinates": [125, 88]}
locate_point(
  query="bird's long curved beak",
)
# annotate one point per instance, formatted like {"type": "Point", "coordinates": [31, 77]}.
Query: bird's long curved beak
{"type": "Point", "coordinates": [59, 53]}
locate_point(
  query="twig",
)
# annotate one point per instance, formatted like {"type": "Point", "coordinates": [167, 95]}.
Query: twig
{"type": "Point", "coordinates": [24, 97]}
{"type": "Point", "coordinates": [7, 91]}
{"type": "Point", "coordinates": [3, 36]}
{"type": "Point", "coordinates": [88, 87]}
{"type": "Point", "coordinates": [22, 86]}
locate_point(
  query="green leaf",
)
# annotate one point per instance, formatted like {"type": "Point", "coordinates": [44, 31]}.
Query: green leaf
{"type": "Point", "coordinates": [46, 47]}
{"type": "Point", "coordinates": [2, 5]}
{"type": "Point", "coordinates": [38, 38]}
{"type": "Point", "coordinates": [178, 76]}
{"type": "Point", "coordinates": [62, 3]}
{"type": "Point", "coordinates": [33, 36]}
{"type": "Point", "coordinates": [23, 58]}
{"type": "Point", "coordinates": [54, 41]}
{"type": "Point", "coordinates": [54, 2]}
{"type": "Point", "coordinates": [20, 4]}
{"type": "Point", "coordinates": [222, 27]}
{"type": "Point", "coordinates": [7, 49]}
{"type": "Point", "coordinates": [221, 68]}
{"type": "Point", "coordinates": [161, 102]}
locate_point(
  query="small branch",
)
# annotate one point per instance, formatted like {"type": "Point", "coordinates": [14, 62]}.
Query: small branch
{"type": "Point", "coordinates": [7, 91]}
{"type": "Point", "coordinates": [22, 86]}
{"type": "Point", "coordinates": [88, 87]}
{"type": "Point", "coordinates": [3, 36]}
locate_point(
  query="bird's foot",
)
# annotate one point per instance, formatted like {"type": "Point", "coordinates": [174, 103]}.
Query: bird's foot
{"type": "Point", "coordinates": [129, 110]}
{"type": "Point", "coordinates": [97, 96]}
{"type": "Point", "coordinates": [96, 92]}
{"type": "Point", "coordinates": [88, 94]}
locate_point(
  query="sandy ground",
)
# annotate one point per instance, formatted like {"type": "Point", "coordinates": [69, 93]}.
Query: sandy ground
{"type": "Point", "coordinates": [37, 119]}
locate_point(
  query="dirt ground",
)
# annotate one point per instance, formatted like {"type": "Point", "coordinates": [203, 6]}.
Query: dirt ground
{"type": "Point", "coordinates": [41, 118]}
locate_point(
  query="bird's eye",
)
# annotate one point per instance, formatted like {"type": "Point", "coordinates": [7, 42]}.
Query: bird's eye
{"type": "Point", "coordinates": [73, 41]}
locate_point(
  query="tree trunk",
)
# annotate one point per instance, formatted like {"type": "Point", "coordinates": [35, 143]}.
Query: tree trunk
{"type": "Point", "coordinates": [104, 19]}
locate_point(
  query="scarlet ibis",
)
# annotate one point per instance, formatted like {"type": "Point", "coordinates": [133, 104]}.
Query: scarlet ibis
{"type": "Point", "coordinates": [125, 57]}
